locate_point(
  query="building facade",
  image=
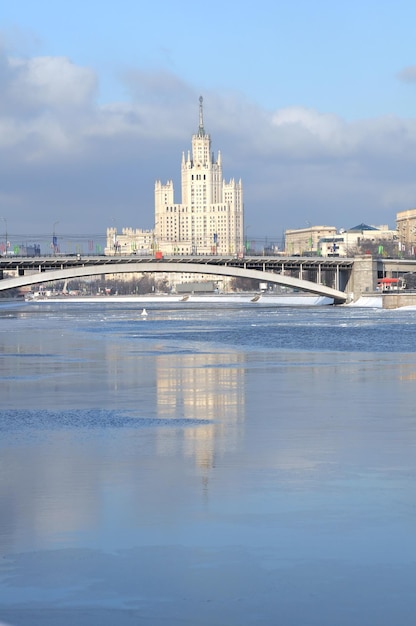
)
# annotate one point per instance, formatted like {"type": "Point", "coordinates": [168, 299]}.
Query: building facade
{"type": "Point", "coordinates": [306, 241]}
{"type": "Point", "coordinates": [210, 218]}
{"type": "Point", "coordinates": [364, 239]}
{"type": "Point", "coordinates": [129, 241]}
{"type": "Point", "coordinates": [406, 231]}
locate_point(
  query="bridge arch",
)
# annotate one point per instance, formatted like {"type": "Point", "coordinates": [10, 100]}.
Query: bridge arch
{"type": "Point", "coordinates": [80, 271]}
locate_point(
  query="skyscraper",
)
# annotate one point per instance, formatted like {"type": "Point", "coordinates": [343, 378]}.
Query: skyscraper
{"type": "Point", "coordinates": [209, 219]}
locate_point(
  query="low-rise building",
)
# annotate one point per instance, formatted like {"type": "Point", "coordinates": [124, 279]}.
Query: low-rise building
{"type": "Point", "coordinates": [305, 241]}
{"type": "Point", "coordinates": [129, 241]}
{"type": "Point", "coordinates": [365, 239]}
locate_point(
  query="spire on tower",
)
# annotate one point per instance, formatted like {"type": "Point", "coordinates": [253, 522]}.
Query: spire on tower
{"type": "Point", "coordinates": [201, 131]}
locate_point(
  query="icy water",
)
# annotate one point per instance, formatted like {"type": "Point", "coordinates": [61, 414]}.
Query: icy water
{"type": "Point", "coordinates": [226, 466]}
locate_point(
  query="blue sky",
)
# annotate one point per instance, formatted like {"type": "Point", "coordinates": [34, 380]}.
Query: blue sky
{"type": "Point", "coordinates": [337, 57]}
{"type": "Point", "coordinates": [311, 103]}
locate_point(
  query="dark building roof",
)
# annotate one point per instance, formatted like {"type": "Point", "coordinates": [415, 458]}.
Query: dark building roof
{"type": "Point", "coordinates": [362, 227]}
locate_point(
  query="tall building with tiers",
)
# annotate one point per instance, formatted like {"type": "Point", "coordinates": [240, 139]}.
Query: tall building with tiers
{"type": "Point", "coordinates": [210, 218]}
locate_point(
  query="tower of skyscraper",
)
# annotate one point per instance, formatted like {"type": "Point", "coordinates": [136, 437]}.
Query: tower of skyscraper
{"type": "Point", "coordinates": [209, 219]}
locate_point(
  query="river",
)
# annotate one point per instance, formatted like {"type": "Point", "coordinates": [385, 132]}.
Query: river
{"type": "Point", "coordinates": [207, 465]}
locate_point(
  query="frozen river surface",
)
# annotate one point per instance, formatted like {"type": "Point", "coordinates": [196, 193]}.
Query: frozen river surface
{"type": "Point", "coordinates": [224, 466]}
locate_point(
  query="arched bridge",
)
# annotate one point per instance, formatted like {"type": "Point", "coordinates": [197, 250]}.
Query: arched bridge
{"type": "Point", "coordinates": [37, 270]}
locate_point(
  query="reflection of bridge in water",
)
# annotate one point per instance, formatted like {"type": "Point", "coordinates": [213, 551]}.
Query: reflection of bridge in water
{"type": "Point", "coordinates": [338, 278]}
{"type": "Point", "coordinates": [322, 276]}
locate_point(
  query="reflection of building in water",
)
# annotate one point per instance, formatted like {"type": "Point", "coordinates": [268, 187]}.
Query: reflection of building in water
{"type": "Point", "coordinates": [202, 387]}
{"type": "Point", "coordinates": [185, 387]}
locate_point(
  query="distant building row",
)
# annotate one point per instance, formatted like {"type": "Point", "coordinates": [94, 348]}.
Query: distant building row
{"type": "Point", "coordinates": [327, 241]}
{"type": "Point", "coordinates": [210, 219]}
{"type": "Point", "coordinates": [324, 241]}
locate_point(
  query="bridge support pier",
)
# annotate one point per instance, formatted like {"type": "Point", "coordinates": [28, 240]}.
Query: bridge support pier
{"type": "Point", "coordinates": [363, 278]}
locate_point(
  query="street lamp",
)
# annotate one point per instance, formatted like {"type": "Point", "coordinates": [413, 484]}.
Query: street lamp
{"type": "Point", "coordinates": [54, 238]}
{"type": "Point", "coordinates": [5, 242]}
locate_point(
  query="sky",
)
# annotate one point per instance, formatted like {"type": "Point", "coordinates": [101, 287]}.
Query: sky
{"type": "Point", "coordinates": [311, 103]}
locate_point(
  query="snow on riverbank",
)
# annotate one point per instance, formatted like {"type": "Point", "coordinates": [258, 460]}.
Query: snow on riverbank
{"type": "Point", "coordinates": [243, 299]}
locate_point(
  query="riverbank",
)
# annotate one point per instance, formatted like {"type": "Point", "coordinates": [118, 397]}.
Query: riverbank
{"type": "Point", "coordinates": [387, 300]}
{"type": "Point", "coordinates": [241, 299]}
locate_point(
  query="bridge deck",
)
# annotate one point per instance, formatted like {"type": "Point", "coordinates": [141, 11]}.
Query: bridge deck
{"type": "Point", "coordinates": [249, 262]}
{"type": "Point", "coordinates": [263, 269]}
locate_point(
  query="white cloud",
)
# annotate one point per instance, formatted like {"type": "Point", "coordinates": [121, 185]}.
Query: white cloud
{"type": "Point", "coordinates": [53, 81]}
{"type": "Point", "coordinates": [408, 74]}
{"type": "Point", "coordinates": [28, 85]}
{"type": "Point", "coordinates": [310, 134]}
{"type": "Point", "coordinates": [323, 126]}
{"type": "Point", "coordinates": [45, 103]}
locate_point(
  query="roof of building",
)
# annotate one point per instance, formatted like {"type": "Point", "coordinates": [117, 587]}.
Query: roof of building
{"type": "Point", "coordinates": [361, 227]}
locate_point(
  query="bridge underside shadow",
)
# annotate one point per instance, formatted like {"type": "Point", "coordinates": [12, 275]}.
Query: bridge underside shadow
{"type": "Point", "coordinates": [339, 297]}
